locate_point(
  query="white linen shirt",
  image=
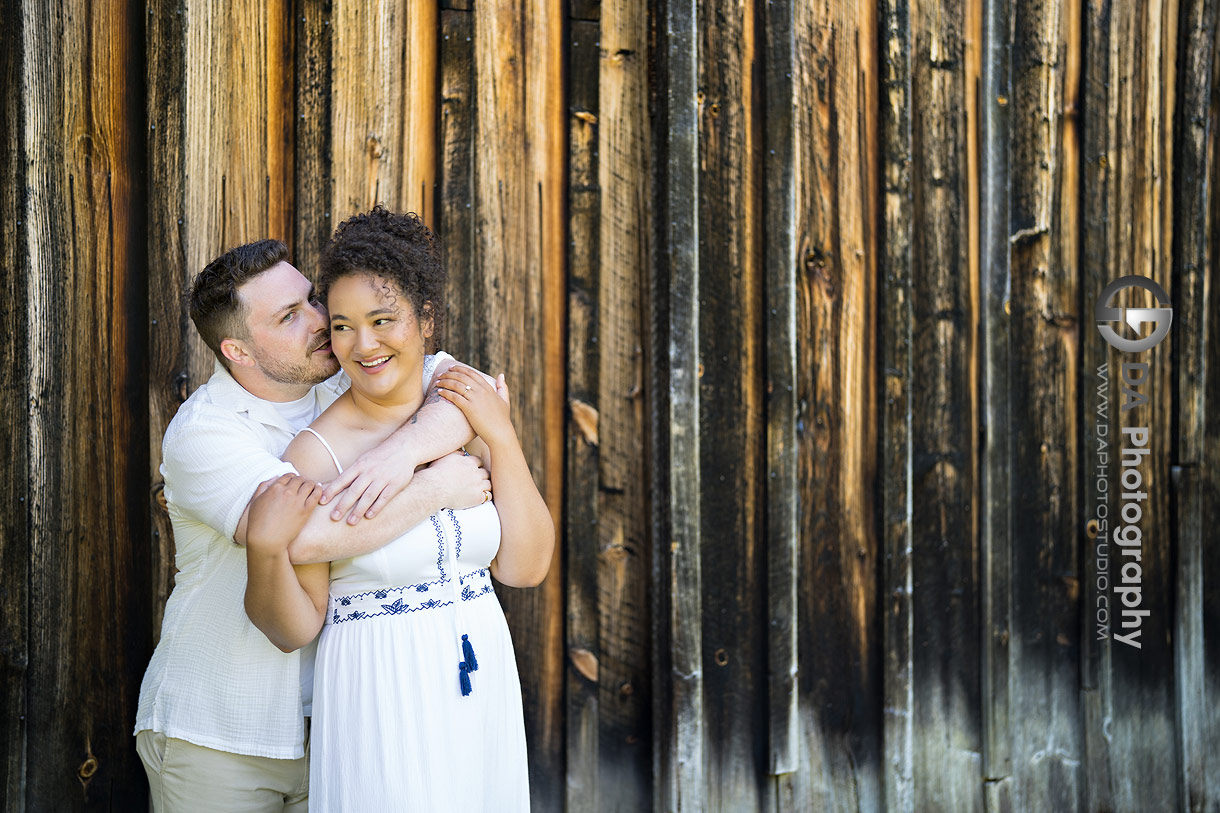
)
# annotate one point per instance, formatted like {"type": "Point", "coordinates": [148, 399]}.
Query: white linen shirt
{"type": "Point", "coordinates": [214, 678]}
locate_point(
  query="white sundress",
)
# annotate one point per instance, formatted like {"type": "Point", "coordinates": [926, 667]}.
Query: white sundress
{"type": "Point", "coordinates": [411, 628]}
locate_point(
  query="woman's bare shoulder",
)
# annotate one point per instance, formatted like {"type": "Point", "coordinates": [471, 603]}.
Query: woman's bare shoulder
{"type": "Point", "coordinates": [310, 457]}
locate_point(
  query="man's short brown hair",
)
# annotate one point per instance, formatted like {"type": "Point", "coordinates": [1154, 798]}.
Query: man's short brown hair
{"type": "Point", "coordinates": [216, 308]}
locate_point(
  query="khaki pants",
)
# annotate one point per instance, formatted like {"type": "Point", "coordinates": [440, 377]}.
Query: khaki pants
{"type": "Point", "coordinates": [184, 777]}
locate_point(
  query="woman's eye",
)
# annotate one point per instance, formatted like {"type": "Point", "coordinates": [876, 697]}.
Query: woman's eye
{"type": "Point", "coordinates": [338, 327]}
{"type": "Point", "coordinates": [381, 322]}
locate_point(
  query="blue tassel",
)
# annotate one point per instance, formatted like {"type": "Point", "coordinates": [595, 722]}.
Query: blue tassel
{"type": "Point", "coordinates": [468, 652]}
{"type": "Point", "coordinates": [464, 678]}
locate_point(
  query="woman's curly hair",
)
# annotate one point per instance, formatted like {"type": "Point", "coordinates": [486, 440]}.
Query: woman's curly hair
{"type": "Point", "coordinates": [397, 247]}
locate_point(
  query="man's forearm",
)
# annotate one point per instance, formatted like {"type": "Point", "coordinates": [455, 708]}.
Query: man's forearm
{"type": "Point", "coordinates": [435, 430]}
{"type": "Point", "coordinates": [323, 540]}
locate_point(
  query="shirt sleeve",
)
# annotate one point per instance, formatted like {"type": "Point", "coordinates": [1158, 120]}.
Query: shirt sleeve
{"type": "Point", "coordinates": [213, 464]}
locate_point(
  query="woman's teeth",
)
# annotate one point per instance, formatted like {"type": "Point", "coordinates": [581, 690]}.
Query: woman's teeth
{"type": "Point", "coordinates": [375, 362]}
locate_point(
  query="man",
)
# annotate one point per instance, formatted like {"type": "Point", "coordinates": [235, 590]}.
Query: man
{"type": "Point", "coordinates": [222, 719]}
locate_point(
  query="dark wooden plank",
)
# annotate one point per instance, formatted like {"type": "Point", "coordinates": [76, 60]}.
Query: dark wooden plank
{"type": "Point", "coordinates": [1099, 405]}
{"type": "Point", "coordinates": [731, 413]}
{"type": "Point", "coordinates": [580, 531]}
{"type": "Point", "coordinates": [946, 663]}
{"type": "Point", "coordinates": [168, 323]}
{"type": "Point", "coordinates": [897, 259]}
{"type": "Point", "coordinates": [838, 211]}
{"type": "Point", "coordinates": [455, 187]}
{"type": "Point", "coordinates": [995, 290]}
{"type": "Point", "coordinates": [83, 223]}
{"type": "Point", "coordinates": [1198, 722]}
{"type": "Point", "coordinates": [779, 239]}
{"type": "Point", "coordinates": [623, 181]}
{"type": "Point", "coordinates": [14, 421]}
{"type": "Point", "coordinates": [679, 735]}
{"type": "Point", "coordinates": [312, 161]}
{"type": "Point", "coordinates": [1141, 85]}
{"type": "Point", "coordinates": [1045, 319]}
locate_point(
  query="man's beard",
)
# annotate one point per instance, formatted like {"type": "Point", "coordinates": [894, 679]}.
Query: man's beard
{"type": "Point", "coordinates": [307, 372]}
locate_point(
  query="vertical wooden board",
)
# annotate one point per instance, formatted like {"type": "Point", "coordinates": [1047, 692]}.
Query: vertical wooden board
{"type": "Point", "coordinates": [680, 761]}
{"type": "Point", "coordinates": [86, 306]}
{"type": "Point", "coordinates": [731, 408]}
{"type": "Point", "coordinates": [383, 125]}
{"type": "Point", "coordinates": [945, 598]}
{"type": "Point", "coordinates": [580, 529]}
{"type": "Point", "coordinates": [1210, 487]}
{"type": "Point", "coordinates": [455, 185]}
{"type": "Point", "coordinates": [517, 255]}
{"type": "Point", "coordinates": [168, 323]}
{"type": "Point", "coordinates": [837, 182]}
{"type": "Point", "coordinates": [995, 394]}
{"type": "Point", "coordinates": [1046, 736]}
{"type": "Point", "coordinates": [14, 423]}
{"type": "Point", "coordinates": [897, 258]}
{"type": "Point", "coordinates": [1197, 720]}
{"type": "Point", "coordinates": [544, 224]}
{"type": "Point", "coordinates": [624, 244]}
{"type": "Point", "coordinates": [237, 140]}
{"type": "Point", "coordinates": [1098, 394]}
{"type": "Point", "coordinates": [312, 159]}
{"type": "Point", "coordinates": [779, 284]}
{"type": "Point", "coordinates": [1142, 730]}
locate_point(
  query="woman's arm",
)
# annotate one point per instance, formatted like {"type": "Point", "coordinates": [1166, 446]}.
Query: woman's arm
{"type": "Point", "coordinates": [527, 539]}
{"type": "Point", "coordinates": [287, 602]}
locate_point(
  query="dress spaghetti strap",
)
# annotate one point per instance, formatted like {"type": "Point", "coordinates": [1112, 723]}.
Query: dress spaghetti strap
{"type": "Point", "coordinates": [326, 445]}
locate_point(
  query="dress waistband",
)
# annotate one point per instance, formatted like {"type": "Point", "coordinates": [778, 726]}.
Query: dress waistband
{"type": "Point", "coordinates": [409, 598]}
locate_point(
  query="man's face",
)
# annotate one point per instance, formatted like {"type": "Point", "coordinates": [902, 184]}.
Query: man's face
{"type": "Point", "coordinates": [289, 330]}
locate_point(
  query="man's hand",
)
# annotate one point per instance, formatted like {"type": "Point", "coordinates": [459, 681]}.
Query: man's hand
{"type": "Point", "coordinates": [368, 484]}
{"type": "Point", "coordinates": [460, 480]}
{"type": "Point", "coordinates": [279, 511]}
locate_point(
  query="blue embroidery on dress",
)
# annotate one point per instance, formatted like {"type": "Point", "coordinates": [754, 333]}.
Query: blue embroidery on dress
{"type": "Point", "coordinates": [440, 545]}
{"type": "Point", "coordinates": [401, 603]}
{"type": "Point", "coordinates": [458, 550]}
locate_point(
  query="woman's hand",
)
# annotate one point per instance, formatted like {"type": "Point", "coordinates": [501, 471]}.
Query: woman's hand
{"type": "Point", "coordinates": [484, 404]}
{"type": "Point", "coordinates": [279, 511]}
{"type": "Point", "coordinates": [460, 480]}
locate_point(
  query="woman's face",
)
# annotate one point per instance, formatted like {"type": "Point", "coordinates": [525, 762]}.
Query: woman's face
{"type": "Point", "coordinates": [375, 336]}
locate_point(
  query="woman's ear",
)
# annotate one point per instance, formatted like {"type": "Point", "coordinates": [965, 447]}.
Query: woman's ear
{"type": "Point", "coordinates": [427, 320]}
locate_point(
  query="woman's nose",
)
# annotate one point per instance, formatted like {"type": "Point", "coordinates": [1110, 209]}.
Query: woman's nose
{"type": "Point", "coordinates": [366, 340]}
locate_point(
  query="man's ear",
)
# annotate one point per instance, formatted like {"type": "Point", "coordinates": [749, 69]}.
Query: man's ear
{"type": "Point", "coordinates": [236, 352]}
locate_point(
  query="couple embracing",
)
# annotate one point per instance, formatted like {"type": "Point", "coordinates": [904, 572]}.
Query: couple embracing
{"type": "Point", "coordinates": [333, 641]}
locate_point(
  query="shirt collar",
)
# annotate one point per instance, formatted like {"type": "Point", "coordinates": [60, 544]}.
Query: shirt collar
{"type": "Point", "coordinates": [226, 392]}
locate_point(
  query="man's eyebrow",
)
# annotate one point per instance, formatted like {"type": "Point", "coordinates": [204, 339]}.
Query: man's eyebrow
{"type": "Point", "coordinates": [287, 307]}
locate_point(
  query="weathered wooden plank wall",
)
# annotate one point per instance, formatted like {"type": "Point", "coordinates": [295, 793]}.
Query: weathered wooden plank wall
{"type": "Point", "coordinates": [796, 301]}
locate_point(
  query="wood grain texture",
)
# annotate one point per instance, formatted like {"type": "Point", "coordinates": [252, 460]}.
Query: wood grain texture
{"type": "Point", "coordinates": [170, 331]}
{"type": "Point", "coordinates": [14, 421]}
{"type": "Point", "coordinates": [838, 179]}
{"type": "Point", "coordinates": [731, 411]}
{"type": "Point", "coordinates": [383, 107]}
{"type": "Point", "coordinates": [779, 284]}
{"type": "Point", "coordinates": [238, 138]}
{"type": "Point", "coordinates": [83, 220]}
{"type": "Point", "coordinates": [1198, 722]}
{"type": "Point", "coordinates": [1044, 341]}
{"type": "Point", "coordinates": [680, 734]}
{"type": "Point", "coordinates": [312, 157]}
{"type": "Point", "coordinates": [897, 327]}
{"type": "Point", "coordinates": [996, 386]}
{"type": "Point", "coordinates": [624, 245]}
{"type": "Point", "coordinates": [455, 187]}
{"type": "Point", "coordinates": [945, 599]}
{"type": "Point", "coordinates": [582, 708]}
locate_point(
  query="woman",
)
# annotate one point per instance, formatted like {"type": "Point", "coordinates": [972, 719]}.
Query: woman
{"type": "Point", "coordinates": [417, 701]}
